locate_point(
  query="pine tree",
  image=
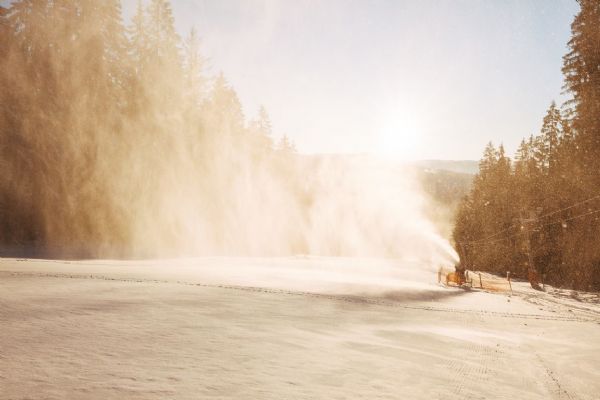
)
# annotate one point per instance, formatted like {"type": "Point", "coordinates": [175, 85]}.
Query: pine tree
{"type": "Point", "coordinates": [4, 32]}
{"type": "Point", "coordinates": [161, 79]}
{"type": "Point", "coordinates": [162, 38]}
{"type": "Point", "coordinates": [138, 43]}
{"type": "Point", "coordinates": [582, 79]}
{"type": "Point", "coordinates": [286, 146]}
{"type": "Point", "coordinates": [550, 137]}
{"type": "Point", "coordinates": [262, 130]}
{"type": "Point", "coordinates": [488, 160]}
{"type": "Point", "coordinates": [193, 66]}
{"type": "Point", "coordinates": [567, 156]}
{"type": "Point", "coordinates": [522, 157]}
{"type": "Point", "coordinates": [224, 108]}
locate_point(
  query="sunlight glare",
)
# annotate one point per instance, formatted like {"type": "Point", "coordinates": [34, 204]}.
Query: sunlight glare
{"type": "Point", "coordinates": [399, 136]}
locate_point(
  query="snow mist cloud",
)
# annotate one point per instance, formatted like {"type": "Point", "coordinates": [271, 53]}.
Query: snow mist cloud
{"type": "Point", "coordinates": [116, 144]}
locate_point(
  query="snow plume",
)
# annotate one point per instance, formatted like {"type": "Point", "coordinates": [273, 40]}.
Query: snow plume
{"type": "Point", "coordinates": [117, 145]}
{"type": "Point", "coordinates": [291, 204]}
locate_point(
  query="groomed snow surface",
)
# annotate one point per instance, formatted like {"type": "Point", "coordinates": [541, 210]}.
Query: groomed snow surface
{"type": "Point", "coordinates": [289, 328]}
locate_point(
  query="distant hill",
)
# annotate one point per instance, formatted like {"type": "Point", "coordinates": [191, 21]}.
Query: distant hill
{"type": "Point", "coordinates": [470, 167]}
{"type": "Point", "coordinates": [460, 166]}
{"type": "Point", "coordinates": [445, 182]}
{"type": "Point", "coordinates": [445, 188]}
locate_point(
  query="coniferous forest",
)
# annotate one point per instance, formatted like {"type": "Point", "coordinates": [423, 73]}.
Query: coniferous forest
{"type": "Point", "coordinates": [107, 125]}
{"type": "Point", "coordinates": [540, 212]}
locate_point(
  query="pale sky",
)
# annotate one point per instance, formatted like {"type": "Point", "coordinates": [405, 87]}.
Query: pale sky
{"type": "Point", "coordinates": [413, 79]}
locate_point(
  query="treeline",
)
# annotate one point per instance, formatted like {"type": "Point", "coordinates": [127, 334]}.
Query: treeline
{"type": "Point", "coordinates": [115, 142]}
{"type": "Point", "coordinates": [539, 215]}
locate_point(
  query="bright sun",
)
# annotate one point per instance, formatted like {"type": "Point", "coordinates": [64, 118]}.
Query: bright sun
{"type": "Point", "coordinates": [399, 136]}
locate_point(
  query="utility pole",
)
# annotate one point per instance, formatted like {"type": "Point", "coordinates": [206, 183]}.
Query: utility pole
{"type": "Point", "coordinates": [464, 255]}
{"type": "Point", "coordinates": [527, 225]}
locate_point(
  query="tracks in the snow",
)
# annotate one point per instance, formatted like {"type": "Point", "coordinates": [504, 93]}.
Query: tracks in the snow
{"type": "Point", "coordinates": [559, 391]}
{"type": "Point", "coordinates": [552, 304]}
{"type": "Point", "coordinates": [344, 298]}
{"type": "Point", "coordinates": [472, 365]}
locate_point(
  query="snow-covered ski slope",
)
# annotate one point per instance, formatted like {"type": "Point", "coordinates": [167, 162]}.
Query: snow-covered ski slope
{"type": "Point", "coordinates": [288, 328]}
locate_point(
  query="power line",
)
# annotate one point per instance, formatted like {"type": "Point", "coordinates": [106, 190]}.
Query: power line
{"type": "Point", "coordinates": [572, 218]}
{"type": "Point", "coordinates": [493, 240]}
{"type": "Point", "coordinates": [483, 241]}
{"type": "Point", "coordinates": [569, 207]}
{"type": "Point", "coordinates": [487, 238]}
